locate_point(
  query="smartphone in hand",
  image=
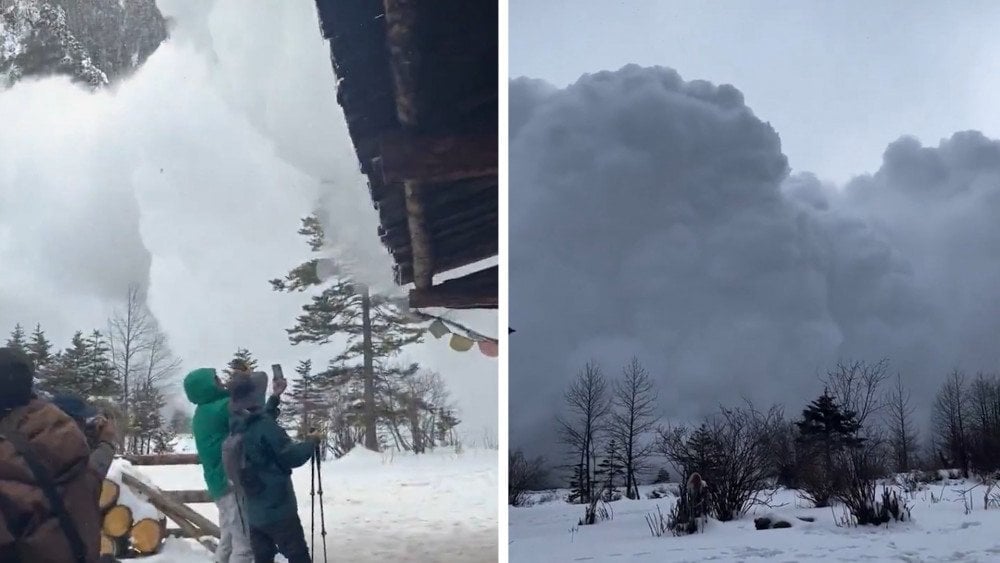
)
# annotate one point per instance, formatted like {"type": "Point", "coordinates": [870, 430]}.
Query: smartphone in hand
{"type": "Point", "coordinates": [278, 382]}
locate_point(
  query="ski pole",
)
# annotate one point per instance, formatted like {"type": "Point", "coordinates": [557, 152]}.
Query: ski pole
{"type": "Point", "coordinates": [312, 514]}
{"type": "Point", "coordinates": [319, 489]}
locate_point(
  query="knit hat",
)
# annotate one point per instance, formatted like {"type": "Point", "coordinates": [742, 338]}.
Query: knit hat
{"type": "Point", "coordinates": [247, 391]}
{"type": "Point", "coordinates": [75, 406]}
{"type": "Point", "coordinates": [16, 374]}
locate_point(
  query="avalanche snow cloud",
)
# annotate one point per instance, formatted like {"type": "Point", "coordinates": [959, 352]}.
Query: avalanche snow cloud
{"type": "Point", "coordinates": [656, 217]}
{"type": "Point", "coordinates": [190, 178]}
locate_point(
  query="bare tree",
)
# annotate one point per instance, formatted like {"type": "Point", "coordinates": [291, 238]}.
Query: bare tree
{"type": "Point", "coordinates": [950, 420]}
{"type": "Point", "coordinates": [523, 476]}
{"type": "Point", "coordinates": [730, 450]}
{"type": "Point", "coordinates": [129, 335]}
{"type": "Point", "coordinates": [784, 455]}
{"type": "Point", "coordinates": [588, 406]}
{"type": "Point", "coordinates": [983, 426]}
{"type": "Point", "coordinates": [159, 366]}
{"type": "Point", "coordinates": [899, 415]}
{"type": "Point", "coordinates": [633, 419]}
{"type": "Point", "coordinates": [857, 385]}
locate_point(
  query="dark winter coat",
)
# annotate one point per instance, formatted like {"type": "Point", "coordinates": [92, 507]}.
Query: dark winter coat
{"type": "Point", "coordinates": [29, 530]}
{"type": "Point", "coordinates": [210, 426]}
{"type": "Point", "coordinates": [271, 454]}
{"type": "Point", "coordinates": [242, 407]}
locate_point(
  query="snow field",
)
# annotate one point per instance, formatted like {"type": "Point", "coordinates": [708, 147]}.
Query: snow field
{"type": "Point", "coordinates": [436, 507]}
{"type": "Point", "coordinates": [940, 531]}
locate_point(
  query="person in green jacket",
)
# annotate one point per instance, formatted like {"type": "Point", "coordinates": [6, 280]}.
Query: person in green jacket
{"type": "Point", "coordinates": [272, 511]}
{"type": "Point", "coordinates": [210, 427]}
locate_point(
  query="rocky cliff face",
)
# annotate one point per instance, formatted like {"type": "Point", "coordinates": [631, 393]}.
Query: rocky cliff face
{"type": "Point", "coordinates": [96, 42]}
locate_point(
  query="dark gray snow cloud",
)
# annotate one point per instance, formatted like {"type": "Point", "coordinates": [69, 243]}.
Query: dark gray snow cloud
{"type": "Point", "coordinates": [655, 217]}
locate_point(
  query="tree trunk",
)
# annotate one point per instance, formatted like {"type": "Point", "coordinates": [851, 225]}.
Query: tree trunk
{"type": "Point", "coordinates": [371, 427]}
{"type": "Point", "coordinates": [418, 439]}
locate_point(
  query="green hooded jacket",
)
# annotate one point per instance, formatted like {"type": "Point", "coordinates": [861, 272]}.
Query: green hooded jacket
{"type": "Point", "coordinates": [210, 426]}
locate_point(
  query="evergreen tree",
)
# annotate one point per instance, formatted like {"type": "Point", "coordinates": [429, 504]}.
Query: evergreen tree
{"type": "Point", "coordinates": [149, 432]}
{"type": "Point", "coordinates": [445, 423]}
{"type": "Point", "coordinates": [611, 470]}
{"type": "Point", "coordinates": [243, 361]}
{"type": "Point", "coordinates": [306, 406]}
{"type": "Point", "coordinates": [705, 453]}
{"type": "Point", "coordinates": [17, 339]}
{"type": "Point", "coordinates": [40, 349]}
{"type": "Point", "coordinates": [578, 486]}
{"type": "Point", "coordinates": [68, 372]}
{"type": "Point", "coordinates": [827, 423]}
{"type": "Point", "coordinates": [375, 327]}
{"type": "Point", "coordinates": [662, 476]}
{"type": "Point", "coordinates": [826, 431]}
{"type": "Point", "coordinates": [99, 379]}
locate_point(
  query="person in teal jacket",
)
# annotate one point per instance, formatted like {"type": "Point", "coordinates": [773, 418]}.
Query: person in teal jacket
{"type": "Point", "coordinates": [272, 511]}
{"type": "Point", "coordinates": [210, 427]}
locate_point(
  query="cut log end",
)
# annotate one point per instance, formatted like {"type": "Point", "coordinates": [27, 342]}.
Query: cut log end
{"type": "Point", "coordinates": [113, 547]}
{"type": "Point", "coordinates": [109, 494]}
{"type": "Point", "coordinates": [117, 521]}
{"type": "Point", "coordinates": [148, 535]}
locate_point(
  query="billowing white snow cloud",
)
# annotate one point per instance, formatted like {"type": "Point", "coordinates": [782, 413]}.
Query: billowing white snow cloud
{"type": "Point", "coordinates": [655, 217]}
{"type": "Point", "coordinates": [191, 178]}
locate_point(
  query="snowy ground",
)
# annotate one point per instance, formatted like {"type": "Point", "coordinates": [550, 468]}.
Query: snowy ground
{"type": "Point", "coordinates": [437, 507]}
{"type": "Point", "coordinates": [940, 531]}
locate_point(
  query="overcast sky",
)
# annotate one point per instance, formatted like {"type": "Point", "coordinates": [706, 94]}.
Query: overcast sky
{"type": "Point", "coordinates": [191, 178]}
{"type": "Point", "coordinates": [838, 80]}
{"type": "Point", "coordinates": [800, 182]}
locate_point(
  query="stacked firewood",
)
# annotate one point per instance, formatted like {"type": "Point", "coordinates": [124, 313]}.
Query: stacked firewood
{"type": "Point", "coordinates": [128, 530]}
{"type": "Point", "coordinates": [190, 523]}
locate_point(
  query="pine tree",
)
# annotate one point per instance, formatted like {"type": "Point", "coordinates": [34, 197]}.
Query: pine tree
{"type": "Point", "coordinates": [826, 431]}
{"type": "Point", "coordinates": [98, 375]}
{"type": "Point", "coordinates": [610, 470]}
{"type": "Point", "coordinates": [827, 423]}
{"type": "Point", "coordinates": [306, 406]}
{"type": "Point", "coordinates": [68, 371]}
{"type": "Point", "coordinates": [445, 423]}
{"type": "Point", "coordinates": [243, 361]}
{"type": "Point", "coordinates": [40, 348]}
{"type": "Point", "coordinates": [578, 486]}
{"type": "Point", "coordinates": [149, 432]}
{"type": "Point", "coordinates": [705, 455]}
{"type": "Point", "coordinates": [375, 327]}
{"type": "Point", "coordinates": [17, 339]}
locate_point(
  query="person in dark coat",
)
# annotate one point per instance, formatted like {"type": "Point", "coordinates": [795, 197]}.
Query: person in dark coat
{"type": "Point", "coordinates": [48, 490]}
{"type": "Point", "coordinates": [100, 431]}
{"type": "Point", "coordinates": [272, 511]}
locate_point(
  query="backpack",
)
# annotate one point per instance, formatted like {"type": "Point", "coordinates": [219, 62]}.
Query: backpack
{"type": "Point", "coordinates": [241, 476]}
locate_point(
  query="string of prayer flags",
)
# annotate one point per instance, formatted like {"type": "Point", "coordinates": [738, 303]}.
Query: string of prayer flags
{"type": "Point", "coordinates": [462, 343]}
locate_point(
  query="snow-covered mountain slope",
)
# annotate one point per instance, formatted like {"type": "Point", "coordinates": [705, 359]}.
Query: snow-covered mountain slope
{"type": "Point", "coordinates": [93, 41]}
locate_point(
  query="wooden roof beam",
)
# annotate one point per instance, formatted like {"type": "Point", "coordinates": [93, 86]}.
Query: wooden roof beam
{"type": "Point", "coordinates": [478, 290]}
{"type": "Point", "coordinates": [437, 159]}
{"type": "Point", "coordinates": [400, 18]}
{"type": "Point", "coordinates": [420, 240]}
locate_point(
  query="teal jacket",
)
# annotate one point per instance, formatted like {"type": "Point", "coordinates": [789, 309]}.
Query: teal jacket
{"type": "Point", "coordinates": [210, 426]}
{"type": "Point", "coordinates": [271, 454]}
